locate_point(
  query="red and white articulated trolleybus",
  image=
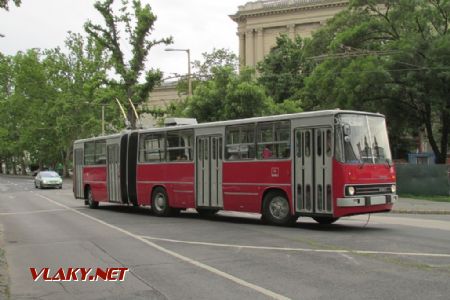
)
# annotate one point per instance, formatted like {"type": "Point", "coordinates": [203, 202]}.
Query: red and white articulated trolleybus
{"type": "Point", "coordinates": [324, 165]}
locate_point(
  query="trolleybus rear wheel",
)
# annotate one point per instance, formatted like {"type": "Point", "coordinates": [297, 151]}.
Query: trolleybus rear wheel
{"type": "Point", "coordinates": [160, 203]}
{"type": "Point", "coordinates": [90, 200]}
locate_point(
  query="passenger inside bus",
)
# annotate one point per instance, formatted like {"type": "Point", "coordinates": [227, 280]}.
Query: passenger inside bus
{"type": "Point", "coordinates": [266, 153]}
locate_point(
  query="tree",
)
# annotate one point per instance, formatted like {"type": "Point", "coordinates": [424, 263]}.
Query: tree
{"type": "Point", "coordinates": [108, 37]}
{"type": "Point", "coordinates": [203, 69]}
{"type": "Point", "coordinates": [227, 95]}
{"type": "Point", "coordinates": [78, 76]}
{"type": "Point", "coordinates": [50, 98]}
{"type": "Point", "coordinates": [5, 3]}
{"type": "Point", "coordinates": [388, 56]}
{"type": "Point", "coordinates": [283, 70]}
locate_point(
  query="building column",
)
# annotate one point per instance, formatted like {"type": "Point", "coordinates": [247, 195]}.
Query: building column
{"type": "Point", "coordinates": [249, 48]}
{"type": "Point", "coordinates": [241, 49]}
{"type": "Point", "coordinates": [259, 45]}
{"type": "Point", "coordinates": [291, 31]}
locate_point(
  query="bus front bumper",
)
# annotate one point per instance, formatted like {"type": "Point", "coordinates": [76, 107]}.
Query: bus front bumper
{"type": "Point", "coordinates": [366, 200]}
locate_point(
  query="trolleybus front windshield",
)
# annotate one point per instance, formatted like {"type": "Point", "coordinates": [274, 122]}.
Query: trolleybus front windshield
{"type": "Point", "coordinates": [364, 139]}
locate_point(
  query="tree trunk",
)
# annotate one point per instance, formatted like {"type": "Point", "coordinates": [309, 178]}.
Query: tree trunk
{"type": "Point", "coordinates": [14, 167]}
{"type": "Point", "coordinates": [24, 167]}
{"type": "Point", "coordinates": [429, 127]}
{"type": "Point", "coordinates": [445, 121]}
{"type": "Point", "coordinates": [67, 161]}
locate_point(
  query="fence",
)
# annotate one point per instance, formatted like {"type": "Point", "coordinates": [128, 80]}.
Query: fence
{"type": "Point", "coordinates": [423, 179]}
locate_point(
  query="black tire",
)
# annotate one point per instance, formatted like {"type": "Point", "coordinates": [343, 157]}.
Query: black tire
{"type": "Point", "coordinates": [91, 202]}
{"type": "Point", "coordinates": [206, 213]}
{"type": "Point", "coordinates": [276, 210]}
{"type": "Point", "coordinates": [40, 185]}
{"type": "Point", "coordinates": [325, 220]}
{"type": "Point", "coordinates": [160, 203]}
{"type": "Point", "coordinates": [35, 185]}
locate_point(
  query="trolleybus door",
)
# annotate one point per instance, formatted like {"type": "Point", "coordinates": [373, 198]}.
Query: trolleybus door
{"type": "Point", "coordinates": [209, 171]}
{"type": "Point", "coordinates": [313, 170]}
{"type": "Point", "coordinates": [79, 158]}
{"type": "Point", "coordinates": [113, 159]}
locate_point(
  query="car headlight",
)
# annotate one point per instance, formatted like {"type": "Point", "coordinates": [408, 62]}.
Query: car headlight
{"type": "Point", "coordinates": [393, 188]}
{"type": "Point", "coordinates": [351, 190]}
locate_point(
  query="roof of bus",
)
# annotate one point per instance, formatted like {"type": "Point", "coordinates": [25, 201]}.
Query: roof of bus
{"type": "Point", "coordinates": [240, 121]}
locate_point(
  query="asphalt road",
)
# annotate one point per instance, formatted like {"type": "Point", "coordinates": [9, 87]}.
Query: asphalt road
{"type": "Point", "coordinates": [232, 256]}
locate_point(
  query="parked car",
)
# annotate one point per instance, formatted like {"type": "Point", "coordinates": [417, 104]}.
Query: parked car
{"type": "Point", "coordinates": [48, 179]}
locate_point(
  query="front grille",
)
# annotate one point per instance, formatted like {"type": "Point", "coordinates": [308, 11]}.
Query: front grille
{"type": "Point", "coordinates": [378, 189]}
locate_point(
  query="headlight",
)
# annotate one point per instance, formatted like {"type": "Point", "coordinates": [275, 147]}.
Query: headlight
{"type": "Point", "coordinates": [393, 188]}
{"type": "Point", "coordinates": [351, 190]}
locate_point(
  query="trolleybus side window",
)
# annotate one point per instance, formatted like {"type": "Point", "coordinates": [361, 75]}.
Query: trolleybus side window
{"type": "Point", "coordinates": [95, 153]}
{"type": "Point", "coordinates": [100, 152]}
{"type": "Point", "coordinates": [240, 142]}
{"type": "Point", "coordinates": [274, 140]}
{"type": "Point", "coordinates": [179, 145]}
{"type": "Point", "coordinates": [89, 153]}
{"type": "Point", "coordinates": [151, 148]}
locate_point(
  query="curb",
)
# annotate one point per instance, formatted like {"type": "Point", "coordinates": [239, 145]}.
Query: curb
{"type": "Point", "coordinates": [420, 212]}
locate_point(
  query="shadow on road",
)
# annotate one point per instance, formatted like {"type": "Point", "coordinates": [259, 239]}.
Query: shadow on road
{"type": "Point", "coordinates": [192, 215]}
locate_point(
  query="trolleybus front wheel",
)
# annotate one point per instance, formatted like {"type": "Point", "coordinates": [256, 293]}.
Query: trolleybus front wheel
{"type": "Point", "coordinates": [276, 209]}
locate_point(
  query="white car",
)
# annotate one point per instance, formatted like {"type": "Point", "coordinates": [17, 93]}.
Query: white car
{"type": "Point", "coordinates": [48, 179]}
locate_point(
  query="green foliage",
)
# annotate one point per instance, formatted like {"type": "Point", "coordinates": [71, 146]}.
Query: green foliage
{"type": "Point", "coordinates": [203, 69]}
{"type": "Point", "coordinates": [283, 69]}
{"type": "Point", "coordinates": [229, 95]}
{"type": "Point", "coordinates": [5, 3]}
{"type": "Point", "coordinates": [50, 98]}
{"type": "Point", "coordinates": [138, 22]}
{"type": "Point", "coordinates": [390, 57]}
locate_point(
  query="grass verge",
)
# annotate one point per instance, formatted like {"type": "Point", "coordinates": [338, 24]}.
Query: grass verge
{"type": "Point", "coordinates": [427, 197]}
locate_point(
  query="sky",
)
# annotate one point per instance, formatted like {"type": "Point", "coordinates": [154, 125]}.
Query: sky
{"type": "Point", "coordinates": [198, 25]}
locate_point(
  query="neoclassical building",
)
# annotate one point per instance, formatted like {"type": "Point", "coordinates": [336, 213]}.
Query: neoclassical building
{"type": "Point", "coordinates": [261, 22]}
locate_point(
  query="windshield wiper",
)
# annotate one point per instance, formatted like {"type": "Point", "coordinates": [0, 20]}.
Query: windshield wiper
{"type": "Point", "coordinates": [388, 162]}
{"type": "Point", "coordinates": [362, 163]}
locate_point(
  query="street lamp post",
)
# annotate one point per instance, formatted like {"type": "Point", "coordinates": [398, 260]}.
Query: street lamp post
{"type": "Point", "coordinates": [188, 51]}
{"type": "Point", "coordinates": [103, 119]}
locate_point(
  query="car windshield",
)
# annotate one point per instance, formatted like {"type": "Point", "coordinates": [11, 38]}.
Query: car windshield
{"type": "Point", "coordinates": [365, 139]}
{"type": "Point", "coordinates": [49, 174]}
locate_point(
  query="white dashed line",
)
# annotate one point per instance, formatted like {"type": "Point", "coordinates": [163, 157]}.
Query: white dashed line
{"type": "Point", "coordinates": [31, 212]}
{"type": "Point", "coordinates": [299, 249]}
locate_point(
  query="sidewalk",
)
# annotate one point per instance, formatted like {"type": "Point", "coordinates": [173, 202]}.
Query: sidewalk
{"type": "Point", "coordinates": [415, 206]}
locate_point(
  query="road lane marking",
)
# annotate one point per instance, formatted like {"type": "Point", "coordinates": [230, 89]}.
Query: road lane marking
{"type": "Point", "coordinates": [31, 212]}
{"type": "Point", "coordinates": [298, 249]}
{"type": "Point", "coordinates": [225, 275]}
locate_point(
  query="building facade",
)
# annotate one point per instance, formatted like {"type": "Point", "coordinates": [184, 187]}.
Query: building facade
{"type": "Point", "coordinates": [261, 22]}
{"type": "Point", "coordinates": [160, 97]}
